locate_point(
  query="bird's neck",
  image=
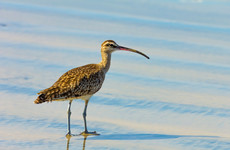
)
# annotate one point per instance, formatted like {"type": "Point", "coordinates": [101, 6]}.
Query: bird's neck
{"type": "Point", "coordinates": [105, 63]}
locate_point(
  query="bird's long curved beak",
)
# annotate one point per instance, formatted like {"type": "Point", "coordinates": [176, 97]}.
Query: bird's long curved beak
{"type": "Point", "coordinates": [132, 50]}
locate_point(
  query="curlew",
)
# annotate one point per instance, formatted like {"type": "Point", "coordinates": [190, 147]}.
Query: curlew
{"type": "Point", "coordinates": [82, 82]}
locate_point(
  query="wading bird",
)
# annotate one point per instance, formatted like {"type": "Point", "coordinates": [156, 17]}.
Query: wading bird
{"type": "Point", "coordinates": [82, 82]}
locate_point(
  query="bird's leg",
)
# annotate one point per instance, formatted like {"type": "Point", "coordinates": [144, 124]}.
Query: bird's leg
{"type": "Point", "coordinates": [86, 133]}
{"type": "Point", "coordinates": [84, 115]}
{"type": "Point", "coordinates": [69, 113]}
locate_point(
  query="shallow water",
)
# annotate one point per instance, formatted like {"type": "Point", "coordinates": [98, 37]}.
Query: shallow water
{"type": "Point", "coordinates": [179, 99]}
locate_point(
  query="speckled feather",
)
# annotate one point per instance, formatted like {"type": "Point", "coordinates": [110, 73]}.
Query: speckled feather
{"type": "Point", "coordinates": [77, 82]}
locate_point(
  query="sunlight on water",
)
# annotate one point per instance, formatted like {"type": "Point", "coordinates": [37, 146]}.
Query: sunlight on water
{"type": "Point", "coordinates": [179, 99]}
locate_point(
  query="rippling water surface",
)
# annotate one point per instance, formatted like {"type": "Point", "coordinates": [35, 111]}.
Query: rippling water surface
{"type": "Point", "coordinates": [179, 99]}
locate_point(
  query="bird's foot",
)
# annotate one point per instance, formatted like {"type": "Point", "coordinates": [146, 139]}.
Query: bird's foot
{"type": "Point", "coordinates": [68, 135]}
{"type": "Point", "coordinates": [86, 133]}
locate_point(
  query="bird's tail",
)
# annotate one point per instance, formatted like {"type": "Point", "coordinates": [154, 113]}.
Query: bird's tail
{"type": "Point", "coordinates": [41, 99]}
{"type": "Point", "coordinates": [47, 95]}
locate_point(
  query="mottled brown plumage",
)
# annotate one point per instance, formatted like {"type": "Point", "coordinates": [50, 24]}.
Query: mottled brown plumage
{"type": "Point", "coordinates": [77, 82]}
{"type": "Point", "coordinates": [82, 82]}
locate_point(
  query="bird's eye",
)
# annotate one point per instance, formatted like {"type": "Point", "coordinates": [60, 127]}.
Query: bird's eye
{"type": "Point", "coordinates": [112, 45]}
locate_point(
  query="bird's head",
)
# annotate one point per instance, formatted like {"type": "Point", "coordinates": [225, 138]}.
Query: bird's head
{"type": "Point", "coordinates": [110, 46]}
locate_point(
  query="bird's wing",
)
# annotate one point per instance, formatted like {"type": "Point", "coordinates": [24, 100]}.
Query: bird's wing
{"type": "Point", "coordinates": [85, 80]}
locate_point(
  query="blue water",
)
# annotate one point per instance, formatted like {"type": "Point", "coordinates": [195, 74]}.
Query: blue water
{"type": "Point", "coordinates": [179, 99]}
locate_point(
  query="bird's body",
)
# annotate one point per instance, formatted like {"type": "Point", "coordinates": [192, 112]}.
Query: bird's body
{"type": "Point", "coordinates": [74, 84]}
{"type": "Point", "coordinates": [82, 82]}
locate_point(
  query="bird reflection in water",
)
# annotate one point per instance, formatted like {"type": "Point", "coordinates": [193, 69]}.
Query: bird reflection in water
{"type": "Point", "coordinates": [68, 136]}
